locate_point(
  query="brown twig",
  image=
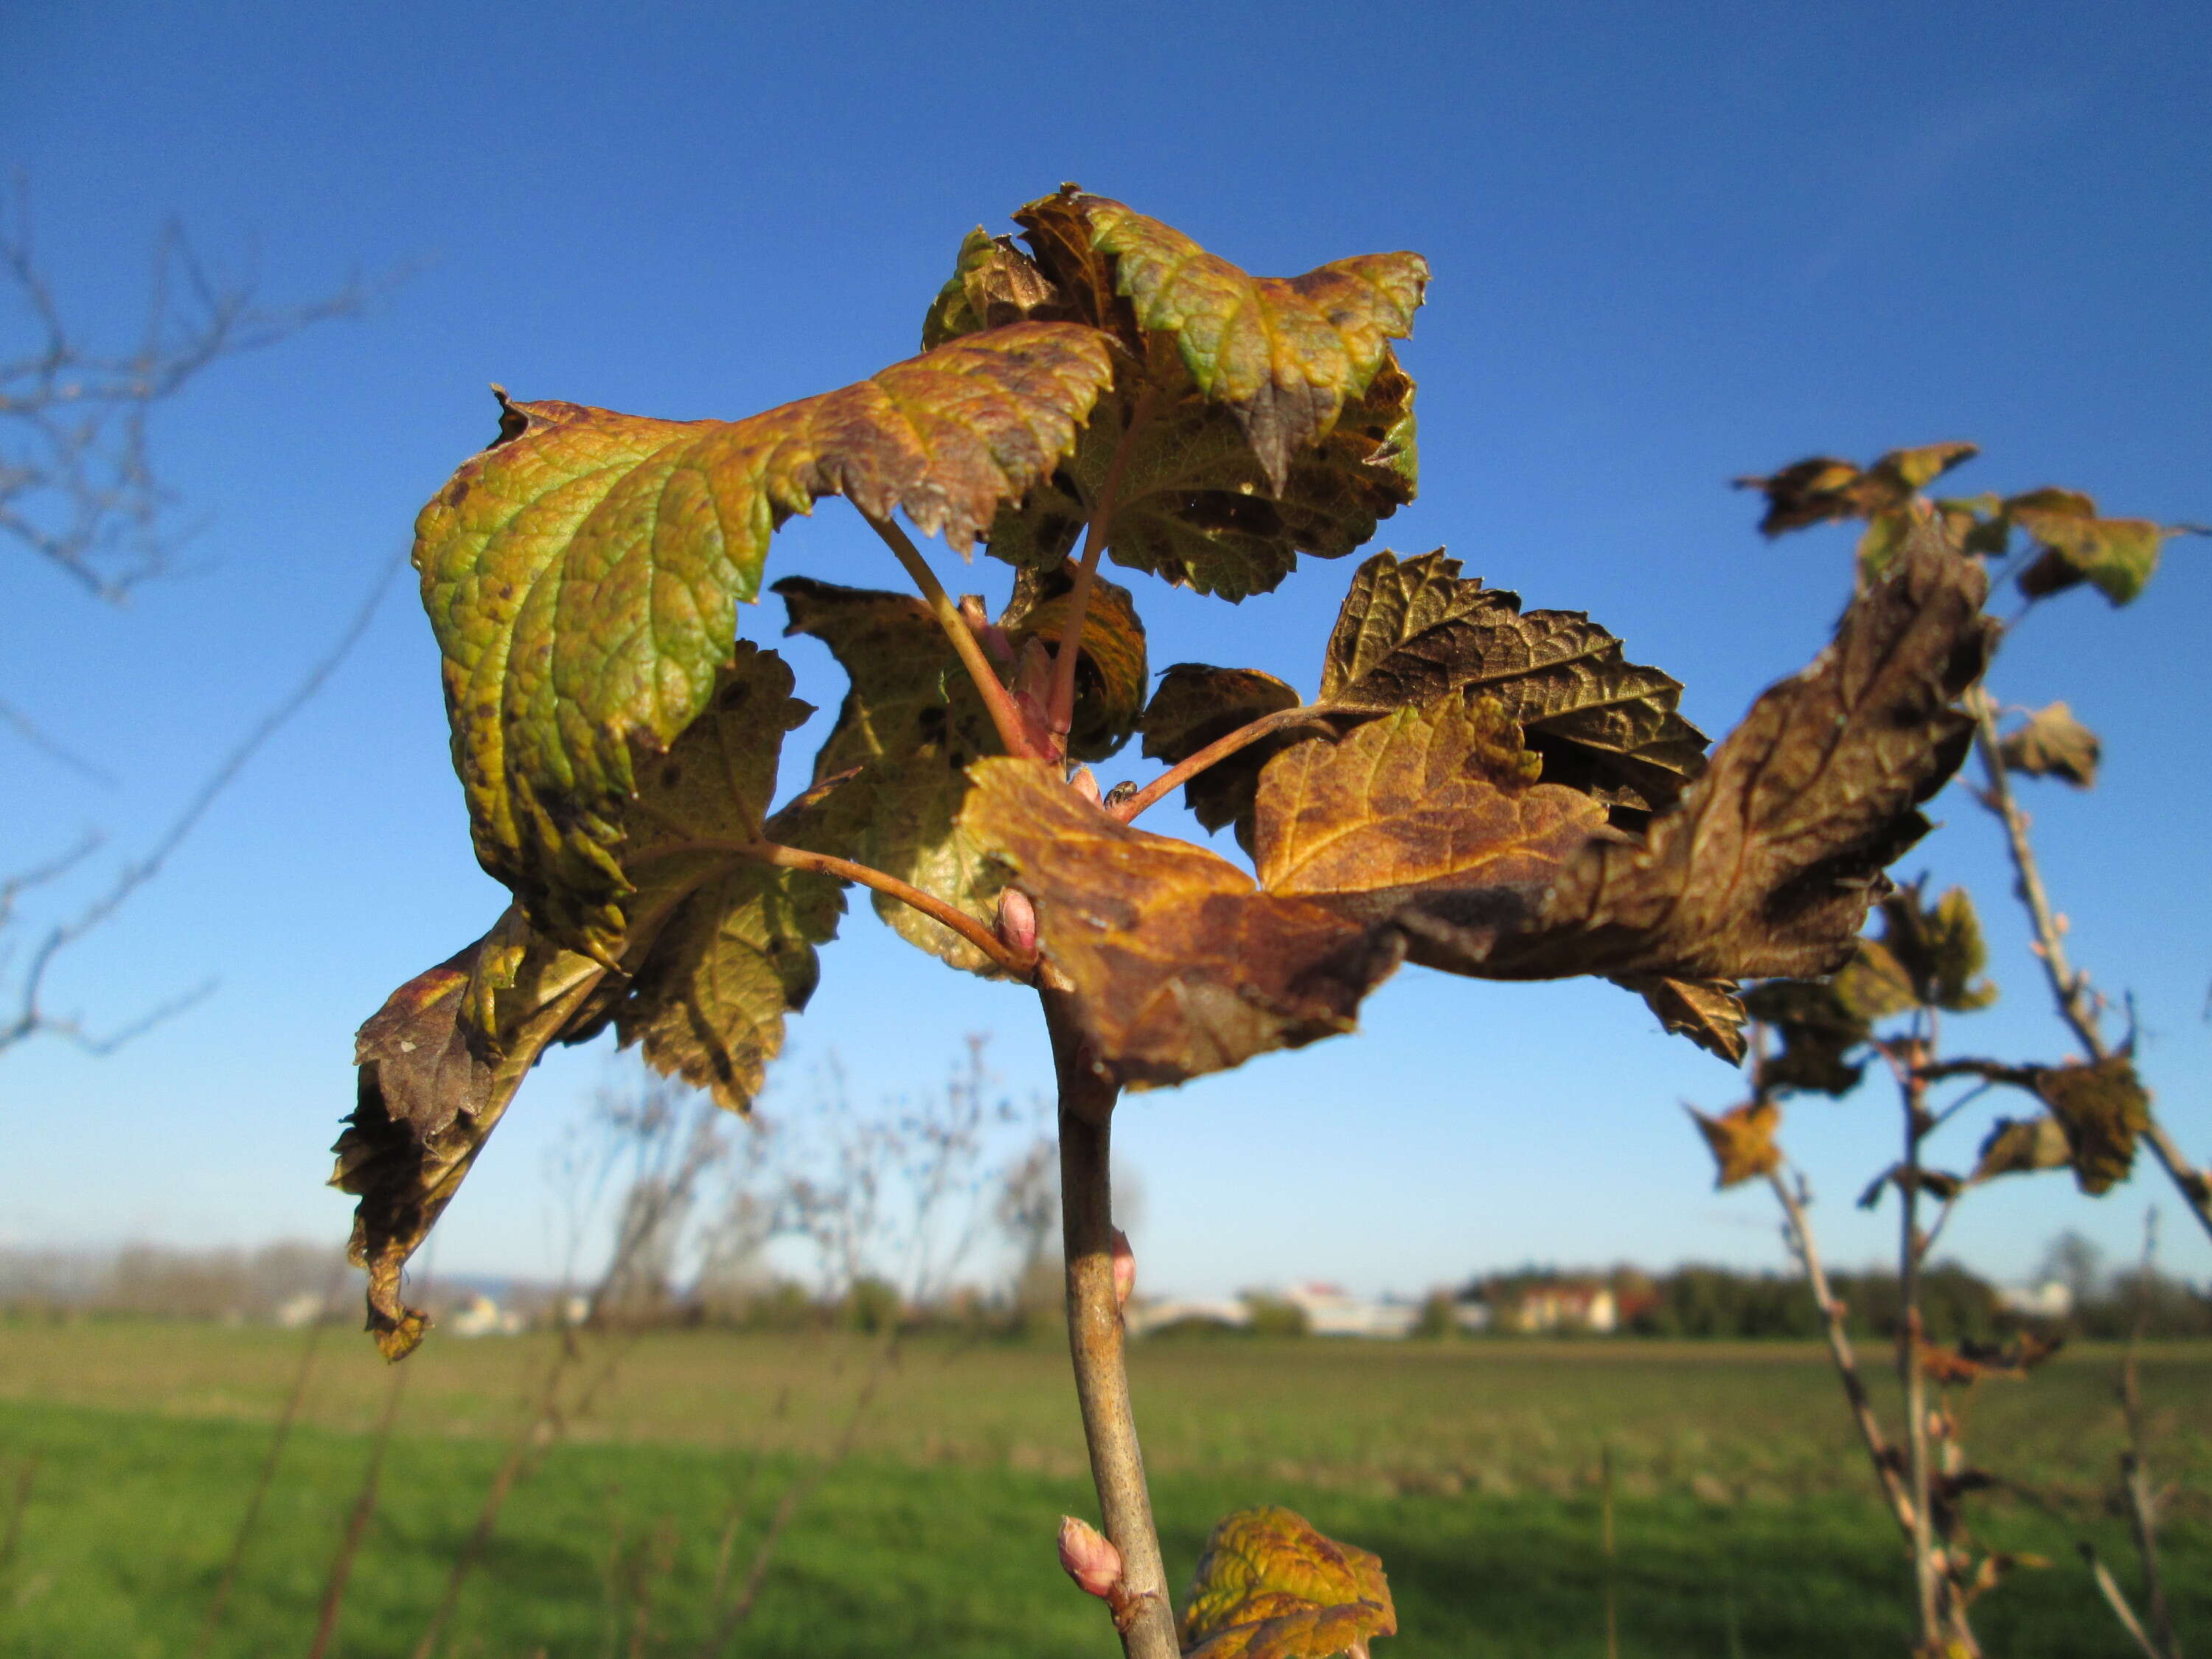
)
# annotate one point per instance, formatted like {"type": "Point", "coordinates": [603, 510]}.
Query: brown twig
{"type": "Point", "coordinates": [997, 700]}
{"type": "Point", "coordinates": [1835, 1322]}
{"type": "Point", "coordinates": [2069, 987]}
{"type": "Point", "coordinates": [1095, 1338]}
{"type": "Point", "coordinates": [252, 1518]}
{"type": "Point", "coordinates": [1060, 713]}
{"type": "Point", "coordinates": [2135, 1478]}
{"type": "Point", "coordinates": [364, 1508]}
{"type": "Point", "coordinates": [19, 1504]}
{"type": "Point", "coordinates": [1020, 964]}
{"type": "Point", "coordinates": [1219, 750]}
{"type": "Point", "coordinates": [1912, 1378]}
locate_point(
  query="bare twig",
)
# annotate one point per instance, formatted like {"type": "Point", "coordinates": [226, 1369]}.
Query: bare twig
{"type": "Point", "coordinates": [2135, 1487]}
{"type": "Point", "coordinates": [1095, 1338]}
{"type": "Point", "coordinates": [31, 1017]}
{"type": "Point", "coordinates": [2116, 1600]}
{"type": "Point", "coordinates": [364, 1509]}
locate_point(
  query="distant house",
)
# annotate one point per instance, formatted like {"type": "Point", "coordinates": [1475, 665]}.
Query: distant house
{"type": "Point", "coordinates": [1145, 1317]}
{"type": "Point", "coordinates": [1331, 1311]}
{"type": "Point", "coordinates": [2050, 1300]}
{"type": "Point", "coordinates": [1562, 1306]}
{"type": "Point", "coordinates": [482, 1316]}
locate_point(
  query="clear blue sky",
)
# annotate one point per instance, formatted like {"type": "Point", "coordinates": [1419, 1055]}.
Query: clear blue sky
{"type": "Point", "coordinates": [1670, 244]}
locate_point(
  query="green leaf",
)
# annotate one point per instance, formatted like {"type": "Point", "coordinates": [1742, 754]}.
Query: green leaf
{"type": "Point", "coordinates": [1197, 704]}
{"type": "Point", "coordinates": [2053, 745]}
{"type": "Point", "coordinates": [1268, 1586]}
{"type": "Point", "coordinates": [1177, 967]}
{"type": "Point", "coordinates": [2116, 556]}
{"type": "Point", "coordinates": [2022, 1146]}
{"type": "Point", "coordinates": [1411, 630]}
{"type": "Point", "coordinates": [583, 575]}
{"type": "Point", "coordinates": [2103, 1109]}
{"type": "Point", "coordinates": [1283, 356]}
{"type": "Point", "coordinates": [1824, 488]}
{"type": "Point", "coordinates": [1765, 867]}
{"type": "Point", "coordinates": [431, 1089]}
{"type": "Point", "coordinates": [1264, 418]}
{"type": "Point", "coordinates": [1818, 1029]}
{"type": "Point", "coordinates": [1874, 985]}
{"type": "Point", "coordinates": [1938, 948]}
{"type": "Point", "coordinates": [908, 728]}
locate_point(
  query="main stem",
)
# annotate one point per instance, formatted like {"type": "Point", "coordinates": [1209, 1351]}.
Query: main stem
{"type": "Point", "coordinates": [1095, 1338]}
{"type": "Point", "coordinates": [1912, 1376]}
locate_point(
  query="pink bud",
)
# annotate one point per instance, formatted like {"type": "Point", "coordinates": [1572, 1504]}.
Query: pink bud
{"type": "Point", "coordinates": [1017, 920]}
{"type": "Point", "coordinates": [1085, 785]}
{"type": "Point", "coordinates": [1089, 1557]}
{"type": "Point", "coordinates": [1125, 1269]}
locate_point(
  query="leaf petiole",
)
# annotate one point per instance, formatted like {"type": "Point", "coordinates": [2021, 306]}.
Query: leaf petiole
{"type": "Point", "coordinates": [996, 699]}
{"type": "Point", "coordinates": [1312, 713]}
{"type": "Point", "coordinates": [1061, 707]}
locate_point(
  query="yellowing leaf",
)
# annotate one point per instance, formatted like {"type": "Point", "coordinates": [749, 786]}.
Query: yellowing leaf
{"type": "Point", "coordinates": [2116, 556]}
{"type": "Point", "coordinates": [2053, 745]}
{"type": "Point", "coordinates": [582, 574]}
{"type": "Point", "coordinates": [1742, 1140]}
{"type": "Point", "coordinates": [1437, 803]}
{"type": "Point", "coordinates": [1813, 491]}
{"type": "Point", "coordinates": [1268, 1586]}
{"type": "Point", "coordinates": [1766, 867]}
{"type": "Point", "coordinates": [2021, 1147]}
{"type": "Point", "coordinates": [1197, 704]}
{"type": "Point", "coordinates": [2102, 1107]}
{"type": "Point", "coordinates": [1178, 967]}
{"type": "Point", "coordinates": [1410, 630]}
{"type": "Point", "coordinates": [1938, 948]}
{"type": "Point", "coordinates": [1284, 355]}
{"type": "Point", "coordinates": [993, 284]}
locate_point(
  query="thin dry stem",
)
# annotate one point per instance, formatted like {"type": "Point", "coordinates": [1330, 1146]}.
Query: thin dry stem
{"type": "Point", "coordinates": [2069, 987]}
{"type": "Point", "coordinates": [1219, 750]}
{"type": "Point", "coordinates": [996, 698]}
{"type": "Point", "coordinates": [1094, 1340]}
{"type": "Point", "coordinates": [2116, 1600]}
{"type": "Point", "coordinates": [364, 1509]}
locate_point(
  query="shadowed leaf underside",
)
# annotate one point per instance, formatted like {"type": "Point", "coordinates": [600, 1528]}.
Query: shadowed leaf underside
{"type": "Point", "coordinates": [1268, 1586]}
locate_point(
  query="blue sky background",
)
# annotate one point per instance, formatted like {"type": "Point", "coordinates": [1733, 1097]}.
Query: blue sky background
{"type": "Point", "coordinates": [1670, 245]}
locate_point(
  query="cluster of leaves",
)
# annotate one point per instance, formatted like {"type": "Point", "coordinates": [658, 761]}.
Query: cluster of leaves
{"type": "Point", "coordinates": [1268, 1586]}
{"type": "Point", "coordinates": [2071, 543]}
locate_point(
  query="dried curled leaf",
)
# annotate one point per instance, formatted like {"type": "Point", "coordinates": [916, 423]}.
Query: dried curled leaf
{"type": "Point", "coordinates": [583, 575]}
{"type": "Point", "coordinates": [1437, 806]}
{"type": "Point", "coordinates": [2021, 1147]}
{"type": "Point", "coordinates": [1268, 1586]}
{"type": "Point", "coordinates": [1411, 630]}
{"type": "Point", "coordinates": [1815, 491]}
{"type": "Point", "coordinates": [1197, 703]}
{"type": "Point", "coordinates": [432, 1087]}
{"type": "Point", "coordinates": [1708, 1011]}
{"type": "Point", "coordinates": [2053, 745]}
{"type": "Point", "coordinates": [1267, 417]}
{"type": "Point", "coordinates": [1742, 1140]}
{"type": "Point", "coordinates": [993, 284]}
{"type": "Point", "coordinates": [1971, 1361]}
{"type": "Point", "coordinates": [1766, 867]}
{"type": "Point", "coordinates": [1818, 1029]}
{"type": "Point", "coordinates": [1938, 948]}
{"type": "Point", "coordinates": [1178, 967]}
{"type": "Point", "coordinates": [2102, 1107]}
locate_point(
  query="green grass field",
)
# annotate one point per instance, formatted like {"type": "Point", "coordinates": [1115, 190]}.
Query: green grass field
{"type": "Point", "coordinates": [1745, 1522]}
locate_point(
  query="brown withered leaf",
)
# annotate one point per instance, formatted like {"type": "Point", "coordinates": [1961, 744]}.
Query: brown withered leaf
{"type": "Point", "coordinates": [2053, 745]}
{"type": "Point", "coordinates": [2022, 1146]}
{"type": "Point", "coordinates": [1179, 967]}
{"type": "Point", "coordinates": [1196, 704]}
{"type": "Point", "coordinates": [1742, 1140]}
{"type": "Point", "coordinates": [1268, 1586]}
{"type": "Point", "coordinates": [1938, 948]}
{"type": "Point", "coordinates": [1766, 867]}
{"type": "Point", "coordinates": [1410, 630]}
{"type": "Point", "coordinates": [1284, 355]}
{"type": "Point", "coordinates": [2102, 1107]}
{"type": "Point", "coordinates": [583, 575]}
{"type": "Point", "coordinates": [1110, 674]}
{"type": "Point", "coordinates": [1435, 805]}
{"type": "Point", "coordinates": [1818, 1029]}
{"type": "Point", "coordinates": [1971, 1361]}
{"type": "Point", "coordinates": [431, 1088]}
{"type": "Point", "coordinates": [1708, 1011]}
{"type": "Point", "coordinates": [910, 724]}
{"type": "Point", "coordinates": [1823, 487]}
